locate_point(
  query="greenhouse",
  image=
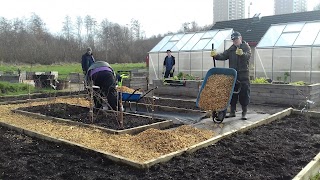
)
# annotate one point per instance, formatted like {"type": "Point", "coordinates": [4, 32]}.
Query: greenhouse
{"type": "Point", "coordinates": [289, 52]}
{"type": "Point", "coordinates": [191, 50]}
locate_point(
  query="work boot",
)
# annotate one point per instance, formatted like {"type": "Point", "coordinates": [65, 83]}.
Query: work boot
{"type": "Point", "coordinates": [232, 113]}
{"type": "Point", "coordinates": [244, 113]}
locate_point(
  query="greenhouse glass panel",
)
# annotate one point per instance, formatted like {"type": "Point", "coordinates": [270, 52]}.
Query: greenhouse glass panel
{"type": "Point", "coordinates": [317, 41]}
{"type": "Point", "coordinates": [294, 27]}
{"type": "Point", "coordinates": [184, 63]}
{"type": "Point", "coordinates": [287, 39]}
{"type": "Point", "coordinates": [172, 42]}
{"type": "Point", "coordinates": [271, 36]}
{"type": "Point", "coordinates": [177, 37]}
{"type": "Point", "coordinates": [301, 64]}
{"type": "Point", "coordinates": [182, 42]}
{"type": "Point", "coordinates": [201, 44]}
{"type": "Point", "coordinates": [218, 40]}
{"type": "Point", "coordinates": [210, 34]}
{"type": "Point", "coordinates": [315, 76]}
{"type": "Point", "coordinates": [169, 45]}
{"type": "Point", "coordinates": [154, 67]}
{"type": "Point", "coordinates": [281, 64]}
{"type": "Point", "coordinates": [263, 63]}
{"type": "Point", "coordinates": [161, 44]}
{"type": "Point", "coordinates": [308, 34]}
{"type": "Point", "coordinates": [196, 64]}
{"type": "Point", "coordinates": [192, 41]}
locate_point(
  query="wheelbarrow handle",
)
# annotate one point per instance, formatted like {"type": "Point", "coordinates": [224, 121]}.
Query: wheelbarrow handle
{"type": "Point", "coordinates": [147, 92]}
{"type": "Point", "coordinates": [213, 58]}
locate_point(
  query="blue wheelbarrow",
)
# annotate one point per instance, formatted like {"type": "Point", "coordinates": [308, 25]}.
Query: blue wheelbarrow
{"type": "Point", "coordinates": [219, 114]}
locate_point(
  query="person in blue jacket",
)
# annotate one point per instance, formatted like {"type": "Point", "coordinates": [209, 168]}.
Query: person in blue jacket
{"type": "Point", "coordinates": [87, 60]}
{"type": "Point", "coordinates": [168, 65]}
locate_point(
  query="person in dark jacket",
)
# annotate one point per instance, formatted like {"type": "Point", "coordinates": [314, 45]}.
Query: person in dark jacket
{"type": "Point", "coordinates": [87, 60]}
{"type": "Point", "coordinates": [101, 74]}
{"type": "Point", "coordinates": [168, 65]}
{"type": "Point", "coordinates": [239, 56]}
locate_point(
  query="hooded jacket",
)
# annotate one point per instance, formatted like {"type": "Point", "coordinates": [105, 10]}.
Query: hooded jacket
{"type": "Point", "coordinates": [99, 64]}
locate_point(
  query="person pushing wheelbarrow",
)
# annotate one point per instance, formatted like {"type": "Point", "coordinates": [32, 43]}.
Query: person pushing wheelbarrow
{"type": "Point", "coordinates": [239, 56]}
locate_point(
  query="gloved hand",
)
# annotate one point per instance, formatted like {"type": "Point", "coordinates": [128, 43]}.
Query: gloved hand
{"type": "Point", "coordinates": [213, 53]}
{"type": "Point", "coordinates": [239, 51]}
{"type": "Point", "coordinates": [171, 71]}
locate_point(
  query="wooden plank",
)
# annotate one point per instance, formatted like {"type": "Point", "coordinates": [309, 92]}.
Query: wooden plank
{"type": "Point", "coordinates": [314, 114]}
{"type": "Point", "coordinates": [312, 169]}
{"type": "Point", "coordinates": [135, 130]}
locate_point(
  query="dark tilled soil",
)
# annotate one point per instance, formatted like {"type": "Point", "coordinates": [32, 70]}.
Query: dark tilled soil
{"type": "Point", "coordinates": [81, 114]}
{"type": "Point", "coordinates": [38, 95]}
{"type": "Point", "coordinates": [275, 151]}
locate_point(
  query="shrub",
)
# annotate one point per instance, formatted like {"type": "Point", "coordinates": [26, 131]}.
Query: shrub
{"type": "Point", "coordinates": [298, 83]}
{"type": "Point", "coordinates": [7, 88]}
{"type": "Point", "coordinates": [260, 81]}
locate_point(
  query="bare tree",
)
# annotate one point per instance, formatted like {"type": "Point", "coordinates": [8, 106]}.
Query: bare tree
{"type": "Point", "coordinates": [90, 23]}
{"type": "Point", "coordinates": [28, 41]}
{"type": "Point", "coordinates": [67, 28]}
{"type": "Point", "coordinates": [317, 7]}
{"type": "Point", "coordinates": [135, 29]}
{"type": "Point", "coordinates": [78, 27]}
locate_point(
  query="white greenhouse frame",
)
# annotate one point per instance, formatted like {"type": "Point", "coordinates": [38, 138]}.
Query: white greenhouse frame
{"type": "Point", "coordinates": [289, 52]}
{"type": "Point", "coordinates": [191, 50]}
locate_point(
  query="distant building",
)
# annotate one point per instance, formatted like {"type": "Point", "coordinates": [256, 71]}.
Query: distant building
{"type": "Point", "coordinates": [289, 6]}
{"type": "Point", "coordinates": [224, 10]}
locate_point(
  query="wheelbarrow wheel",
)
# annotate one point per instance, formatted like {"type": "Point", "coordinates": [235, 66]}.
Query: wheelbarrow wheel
{"type": "Point", "coordinates": [218, 117]}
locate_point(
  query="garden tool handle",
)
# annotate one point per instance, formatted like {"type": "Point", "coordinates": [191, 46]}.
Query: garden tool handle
{"type": "Point", "coordinates": [213, 58]}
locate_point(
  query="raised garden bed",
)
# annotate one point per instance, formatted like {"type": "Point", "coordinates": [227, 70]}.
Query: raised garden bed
{"type": "Point", "coordinates": [278, 150]}
{"type": "Point", "coordinates": [107, 120]}
{"type": "Point", "coordinates": [37, 96]}
{"type": "Point", "coordinates": [286, 94]}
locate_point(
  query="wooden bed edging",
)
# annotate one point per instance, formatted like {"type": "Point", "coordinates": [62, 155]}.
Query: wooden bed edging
{"type": "Point", "coordinates": [215, 139]}
{"type": "Point", "coordinates": [310, 170]}
{"type": "Point", "coordinates": [135, 130]}
{"type": "Point", "coordinates": [112, 157]}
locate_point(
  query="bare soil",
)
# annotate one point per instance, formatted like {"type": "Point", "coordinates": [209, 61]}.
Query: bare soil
{"type": "Point", "coordinates": [38, 96]}
{"type": "Point", "coordinates": [81, 114]}
{"type": "Point", "coordinates": [278, 150]}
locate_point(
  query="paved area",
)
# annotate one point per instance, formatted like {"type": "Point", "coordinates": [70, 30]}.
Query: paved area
{"type": "Point", "coordinates": [256, 112]}
{"type": "Point", "coordinates": [230, 124]}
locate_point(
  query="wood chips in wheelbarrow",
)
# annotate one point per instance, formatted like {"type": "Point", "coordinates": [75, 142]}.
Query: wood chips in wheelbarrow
{"type": "Point", "coordinates": [126, 89]}
{"type": "Point", "coordinates": [216, 92]}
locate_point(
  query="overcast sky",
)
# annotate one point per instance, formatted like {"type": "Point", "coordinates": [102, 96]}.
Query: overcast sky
{"type": "Point", "coordinates": [155, 17]}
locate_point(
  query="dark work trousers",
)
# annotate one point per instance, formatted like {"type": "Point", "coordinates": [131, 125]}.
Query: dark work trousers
{"type": "Point", "coordinates": [168, 74]}
{"type": "Point", "coordinates": [243, 96]}
{"type": "Point", "coordinates": [105, 80]}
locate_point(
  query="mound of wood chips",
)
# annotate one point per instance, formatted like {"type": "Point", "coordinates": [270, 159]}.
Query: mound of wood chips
{"type": "Point", "coordinates": [142, 147]}
{"type": "Point", "coordinates": [216, 92]}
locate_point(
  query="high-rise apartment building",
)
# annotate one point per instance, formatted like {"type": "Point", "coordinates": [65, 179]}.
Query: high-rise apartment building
{"type": "Point", "coordinates": [224, 10]}
{"type": "Point", "coordinates": [289, 6]}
